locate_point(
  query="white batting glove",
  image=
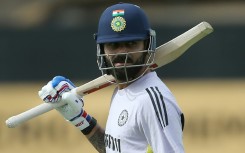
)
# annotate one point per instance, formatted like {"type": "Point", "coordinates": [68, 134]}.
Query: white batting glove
{"type": "Point", "coordinates": [53, 91]}
{"type": "Point", "coordinates": [60, 90]}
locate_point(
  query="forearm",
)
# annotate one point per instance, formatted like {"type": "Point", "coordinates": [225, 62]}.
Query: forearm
{"type": "Point", "coordinates": [96, 138]}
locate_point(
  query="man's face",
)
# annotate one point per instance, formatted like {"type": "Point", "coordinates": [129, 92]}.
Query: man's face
{"type": "Point", "coordinates": [122, 54]}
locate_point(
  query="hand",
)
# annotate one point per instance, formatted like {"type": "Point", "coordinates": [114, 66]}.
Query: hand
{"type": "Point", "coordinates": [53, 91]}
{"type": "Point", "coordinates": [60, 90]}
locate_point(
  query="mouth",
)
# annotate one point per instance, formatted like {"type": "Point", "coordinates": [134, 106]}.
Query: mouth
{"type": "Point", "coordinates": [122, 61]}
{"type": "Point", "coordinates": [122, 64]}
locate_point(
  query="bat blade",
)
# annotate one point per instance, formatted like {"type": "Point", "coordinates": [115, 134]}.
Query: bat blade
{"type": "Point", "coordinates": [165, 54]}
{"type": "Point", "coordinates": [173, 49]}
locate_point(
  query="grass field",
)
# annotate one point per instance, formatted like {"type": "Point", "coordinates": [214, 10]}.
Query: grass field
{"type": "Point", "coordinates": [214, 111]}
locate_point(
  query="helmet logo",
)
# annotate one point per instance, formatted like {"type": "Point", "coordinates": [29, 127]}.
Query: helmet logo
{"type": "Point", "coordinates": [118, 24]}
{"type": "Point", "coordinates": [118, 13]}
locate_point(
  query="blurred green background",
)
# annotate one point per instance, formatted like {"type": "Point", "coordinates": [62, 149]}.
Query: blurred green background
{"type": "Point", "coordinates": [40, 39]}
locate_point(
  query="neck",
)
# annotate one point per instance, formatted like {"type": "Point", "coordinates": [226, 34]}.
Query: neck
{"type": "Point", "coordinates": [124, 85]}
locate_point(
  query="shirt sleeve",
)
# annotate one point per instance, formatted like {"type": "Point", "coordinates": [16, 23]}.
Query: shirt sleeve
{"type": "Point", "coordinates": [160, 121]}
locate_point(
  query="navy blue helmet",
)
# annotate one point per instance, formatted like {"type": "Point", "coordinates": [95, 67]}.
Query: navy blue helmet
{"type": "Point", "coordinates": [124, 22]}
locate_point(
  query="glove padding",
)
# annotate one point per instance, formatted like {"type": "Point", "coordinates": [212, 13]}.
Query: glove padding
{"type": "Point", "coordinates": [53, 91]}
{"type": "Point", "coordinates": [60, 90]}
{"type": "Point", "coordinates": [73, 111]}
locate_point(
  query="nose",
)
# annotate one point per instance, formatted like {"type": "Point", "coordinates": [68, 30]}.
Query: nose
{"type": "Point", "coordinates": [122, 48]}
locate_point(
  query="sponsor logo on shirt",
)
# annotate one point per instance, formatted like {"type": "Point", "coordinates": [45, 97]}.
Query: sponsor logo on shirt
{"type": "Point", "coordinates": [112, 143]}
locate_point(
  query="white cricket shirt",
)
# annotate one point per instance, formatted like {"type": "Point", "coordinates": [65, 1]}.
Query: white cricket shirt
{"type": "Point", "coordinates": [144, 113]}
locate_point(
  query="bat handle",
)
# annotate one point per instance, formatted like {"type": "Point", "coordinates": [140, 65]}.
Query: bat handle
{"type": "Point", "coordinates": [87, 88]}
{"type": "Point", "coordinates": [31, 113]}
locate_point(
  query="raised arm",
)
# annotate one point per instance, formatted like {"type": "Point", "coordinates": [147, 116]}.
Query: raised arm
{"type": "Point", "coordinates": [59, 90]}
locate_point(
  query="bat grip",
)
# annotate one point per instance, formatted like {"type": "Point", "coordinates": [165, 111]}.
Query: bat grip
{"type": "Point", "coordinates": [31, 113]}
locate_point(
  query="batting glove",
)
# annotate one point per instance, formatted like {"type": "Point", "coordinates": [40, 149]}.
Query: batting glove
{"type": "Point", "coordinates": [60, 90]}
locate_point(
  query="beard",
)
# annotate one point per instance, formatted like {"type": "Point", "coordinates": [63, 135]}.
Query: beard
{"type": "Point", "coordinates": [124, 73]}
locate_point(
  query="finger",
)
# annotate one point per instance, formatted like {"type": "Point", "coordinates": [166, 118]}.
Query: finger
{"type": "Point", "coordinates": [62, 87]}
{"type": "Point", "coordinates": [45, 91]}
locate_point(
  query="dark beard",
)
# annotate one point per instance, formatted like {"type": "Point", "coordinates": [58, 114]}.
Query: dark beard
{"type": "Point", "coordinates": [125, 74]}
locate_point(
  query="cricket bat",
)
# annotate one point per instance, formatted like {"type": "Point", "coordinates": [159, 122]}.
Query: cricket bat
{"type": "Point", "coordinates": [165, 54]}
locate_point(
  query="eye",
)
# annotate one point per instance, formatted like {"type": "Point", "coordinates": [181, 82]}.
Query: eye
{"type": "Point", "coordinates": [131, 43]}
{"type": "Point", "coordinates": [111, 46]}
